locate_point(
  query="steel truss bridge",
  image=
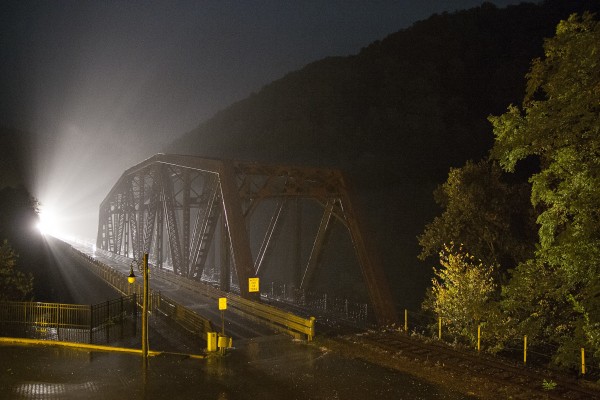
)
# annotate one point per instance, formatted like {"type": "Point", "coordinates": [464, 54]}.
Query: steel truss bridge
{"type": "Point", "coordinates": [253, 220]}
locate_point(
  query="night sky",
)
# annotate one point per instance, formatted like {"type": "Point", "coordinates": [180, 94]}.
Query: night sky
{"type": "Point", "coordinates": [105, 84]}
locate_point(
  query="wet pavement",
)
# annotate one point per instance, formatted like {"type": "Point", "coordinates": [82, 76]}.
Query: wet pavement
{"type": "Point", "coordinates": [263, 367]}
{"type": "Point", "coordinates": [275, 367]}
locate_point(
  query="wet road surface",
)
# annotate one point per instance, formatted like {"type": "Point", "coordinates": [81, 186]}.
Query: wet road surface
{"type": "Point", "coordinates": [264, 368]}
{"type": "Point", "coordinates": [259, 367]}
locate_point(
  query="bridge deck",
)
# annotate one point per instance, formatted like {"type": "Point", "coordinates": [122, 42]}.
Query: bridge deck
{"type": "Point", "coordinates": [235, 325]}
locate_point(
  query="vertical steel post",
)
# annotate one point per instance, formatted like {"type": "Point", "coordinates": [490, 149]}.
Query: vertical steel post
{"type": "Point", "coordinates": [311, 335]}
{"type": "Point", "coordinates": [236, 226]}
{"type": "Point", "coordinates": [582, 361]}
{"type": "Point", "coordinates": [224, 275]}
{"type": "Point", "coordinates": [185, 239]}
{"type": "Point", "coordinates": [141, 217]}
{"type": "Point", "coordinates": [222, 322]}
{"type": "Point", "coordinates": [525, 349]}
{"type": "Point", "coordinates": [126, 232]}
{"type": "Point", "coordinates": [145, 311]}
{"type": "Point", "coordinates": [160, 214]}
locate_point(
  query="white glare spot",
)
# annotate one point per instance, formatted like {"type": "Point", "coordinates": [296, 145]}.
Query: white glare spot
{"type": "Point", "coordinates": [49, 224]}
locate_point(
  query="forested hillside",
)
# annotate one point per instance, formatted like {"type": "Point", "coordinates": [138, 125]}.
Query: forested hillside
{"type": "Point", "coordinates": [395, 117]}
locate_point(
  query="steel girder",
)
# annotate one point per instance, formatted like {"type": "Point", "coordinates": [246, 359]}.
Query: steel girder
{"type": "Point", "coordinates": [192, 199]}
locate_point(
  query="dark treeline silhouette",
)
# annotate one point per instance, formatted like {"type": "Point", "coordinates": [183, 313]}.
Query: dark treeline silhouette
{"type": "Point", "coordinates": [396, 117]}
{"type": "Point", "coordinates": [18, 210]}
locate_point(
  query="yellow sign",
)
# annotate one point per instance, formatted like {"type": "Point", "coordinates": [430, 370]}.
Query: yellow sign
{"type": "Point", "coordinates": [253, 285]}
{"type": "Point", "coordinates": [222, 303]}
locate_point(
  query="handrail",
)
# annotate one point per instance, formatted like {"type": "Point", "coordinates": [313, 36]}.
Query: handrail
{"type": "Point", "coordinates": [281, 320]}
{"type": "Point", "coordinates": [45, 314]}
{"type": "Point", "coordinates": [285, 319]}
{"type": "Point", "coordinates": [70, 322]}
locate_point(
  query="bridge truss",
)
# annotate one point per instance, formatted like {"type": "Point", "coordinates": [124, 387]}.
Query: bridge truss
{"type": "Point", "coordinates": [190, 213]}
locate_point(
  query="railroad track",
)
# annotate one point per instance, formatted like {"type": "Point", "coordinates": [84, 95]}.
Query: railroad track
{"type": "Point", "coordinates": [482, 366]}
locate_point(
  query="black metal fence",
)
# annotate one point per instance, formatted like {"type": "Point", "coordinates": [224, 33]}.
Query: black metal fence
{"type": "Point", "coordinates": [107, 322]}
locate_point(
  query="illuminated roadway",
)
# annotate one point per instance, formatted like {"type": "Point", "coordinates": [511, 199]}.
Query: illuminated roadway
{"type": "Point", "coordinates": [235, 326]}
{"type": "Point", "coordinates": [62, 280]}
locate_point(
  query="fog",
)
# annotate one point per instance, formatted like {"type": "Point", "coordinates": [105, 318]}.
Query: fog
{"type": "Point", "coordinates": [104, 85]}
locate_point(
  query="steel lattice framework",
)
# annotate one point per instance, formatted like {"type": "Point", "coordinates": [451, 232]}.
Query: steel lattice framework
{"type": "Point", "coordinates": [183, 210]}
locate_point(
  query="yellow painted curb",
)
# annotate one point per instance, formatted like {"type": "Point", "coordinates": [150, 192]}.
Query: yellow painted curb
{"type": "Point", "coordinates": [85, 346]}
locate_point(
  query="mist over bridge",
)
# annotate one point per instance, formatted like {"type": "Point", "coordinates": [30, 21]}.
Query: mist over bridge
{"type": "Point", "coordinates": [205, 218]}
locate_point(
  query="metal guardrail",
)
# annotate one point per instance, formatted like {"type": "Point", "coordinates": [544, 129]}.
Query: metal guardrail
{"type": "Point", "coordinates": [186, 318]}
{"type": "Point", "coordinates": [285, 321]}
{"type": "Point", "coordinates": [275, 318]}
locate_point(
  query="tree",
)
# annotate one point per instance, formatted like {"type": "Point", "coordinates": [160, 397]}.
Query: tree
{"type": "Point", "coordinates": [558, 123]}
{"type": "Point", "coordinates": [18, 216]}
{"type": "Point", "coordinates": [14, 284]}
{"type": "Point", "coordinates": [490, 217]}
{"type": "Point", "coordinates": [463, 292]}
{"type": "Point", "coordinates": [18, 236]}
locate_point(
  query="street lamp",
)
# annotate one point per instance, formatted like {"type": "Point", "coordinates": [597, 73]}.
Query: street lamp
{"type": "Point", "coordinates": [131, 279]}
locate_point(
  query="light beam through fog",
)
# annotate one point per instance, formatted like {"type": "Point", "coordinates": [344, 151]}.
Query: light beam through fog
{"type": "Point", "coordinates": [73, 172]}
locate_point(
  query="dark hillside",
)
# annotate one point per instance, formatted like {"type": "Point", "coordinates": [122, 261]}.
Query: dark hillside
{"type": "Point", "coordinates": [395, 116]}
